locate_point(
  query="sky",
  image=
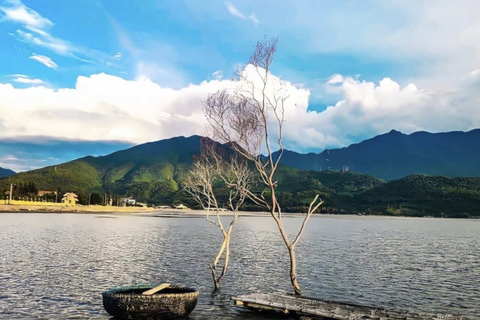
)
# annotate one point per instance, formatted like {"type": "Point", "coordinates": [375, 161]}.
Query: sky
{"type": "Point", "coordinates": [85, 73]}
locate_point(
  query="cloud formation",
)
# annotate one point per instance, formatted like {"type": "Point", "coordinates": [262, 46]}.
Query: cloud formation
{"type": "Point", "coordinates": [236, 13]}
{"type": "Point", "coordinates": [435, 41]}
{"type": "Point", "coordinates": [46, 61]}
{"type": "Point", "coordinates": [218, 75]}
{"type": "Point", "coordinates": [19, 13]}
{"type": "Point", "coordinates": [35, 30]}
{"type": "Point", "coordinates": [106, 107]}
{"type": "Point", "coordinates": [21, 78]}
{"type": "Point", "coordinates": [38, 27]}
{"type": "Point", "coordinates": [18, 155]}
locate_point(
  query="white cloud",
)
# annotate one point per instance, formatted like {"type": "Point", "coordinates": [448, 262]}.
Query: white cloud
{"type": "Point", "coordinates": [473, 76]}
{"type": "Point", "coordinates": [118, 56]}
{"type": "Point", "coordinates": [35, 30]}
{"type": "Point", "coordinates": [10, 161]}
{"type": "Point", "coordinates": [21, 78]}
{"type": "Point", "coordinates": [80, 59]}
{"type": "Point", "coordinates": [56, 45]}
{"type": "Point", "coordinates": [218, 75]}
{"type": "Point", "coordinates": [9, 157]}
{"type": "Point", "coordinates": [19, 13]}
{"type": "Point", "coordinates": [336, 78]}
{"type": "Point", "coordinates": [254, 19]}
{"type": "Point", "coordinates": [32, 21]}
{"type": "Point", "coordinates": [236, 13]}
{"type": "Point", "coordinates": [110, 108]}
{"type": "Point", "coordinates": [368, 109]}
{"type": "Point", "coordinates": [19, 164]}
{"type": "Point", "coordinates": [46, 61]}
{"type": "Point", "coordinates": [104, 107]}
{"type": "Point", "coordinates": [437, 42]}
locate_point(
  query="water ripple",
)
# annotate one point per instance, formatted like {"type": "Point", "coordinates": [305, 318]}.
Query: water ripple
{"type": "Point", "coordinates": [56, 266]}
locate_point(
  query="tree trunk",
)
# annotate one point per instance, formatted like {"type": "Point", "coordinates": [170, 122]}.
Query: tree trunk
{"type": "Point", "coordinates": [227, 258]}
{"type": "Point", "coordinates": [216, 283]}
{"type": "Point", "coordinates": [293, 271]}
{"type": "Point", "coordinates": [213, 266]}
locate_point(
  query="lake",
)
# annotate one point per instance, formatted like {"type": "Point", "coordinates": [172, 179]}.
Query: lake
{"type": "Point", "coordinates": [55, 266]}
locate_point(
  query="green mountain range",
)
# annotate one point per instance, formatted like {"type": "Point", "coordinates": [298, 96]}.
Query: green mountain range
{"type": "Point", "coordinates": [422, 195]}
{"type": "Point", "coordinates": [154, 173]}
{"type": "Point", "coordinates": [149, 172]}
{"type": "Point", "coordinates": [395, 155]}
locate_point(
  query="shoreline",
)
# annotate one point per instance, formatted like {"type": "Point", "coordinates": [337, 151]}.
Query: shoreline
{"type": "Point", "coordinates": [122, 211]}
{"type": "Point", "coordinates": [177, 213]}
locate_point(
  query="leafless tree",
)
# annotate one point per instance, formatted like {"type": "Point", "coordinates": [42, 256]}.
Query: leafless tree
{"type": "Point", "coordinates": [250, 118]}
{"type": "Point", "coordinates": [209, 169]}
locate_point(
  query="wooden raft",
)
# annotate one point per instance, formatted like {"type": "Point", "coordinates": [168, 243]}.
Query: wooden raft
{"type": "Point", "coordinates": [321, 309]}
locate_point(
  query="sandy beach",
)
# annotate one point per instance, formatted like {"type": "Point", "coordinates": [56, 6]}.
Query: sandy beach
{"type": "Point", "coordinates": [16, 208]}
{"type": "Point", "coordinates": [12, 208]}
{"type": "Point", "coordinates": [110, 210]}
{"type": "Point", "coordinates": [170, 213]}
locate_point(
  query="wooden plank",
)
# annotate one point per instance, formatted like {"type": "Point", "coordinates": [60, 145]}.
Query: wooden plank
{"type": "Point", "coordinates": [329, 309]}
{"type": "Point", "coordinates": [156, 289]}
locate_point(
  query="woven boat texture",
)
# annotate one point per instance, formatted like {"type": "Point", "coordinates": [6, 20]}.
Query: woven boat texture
{"type": "Point", "coordinates": [129, 303]}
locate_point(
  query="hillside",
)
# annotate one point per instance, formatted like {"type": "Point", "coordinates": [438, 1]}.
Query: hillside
{"type": "Point", "coordinates": [420, 195]}
{"type": "Point", "coordinates": [395, 155]}
{"type": "Point", "coordinates": [146, 171]}
{"type": "Point", "coordinates": [153, 172]}
{"type": "Point", "coordinates": [297, 188]}
{"type": "Point", "coordinates": [6, 172]}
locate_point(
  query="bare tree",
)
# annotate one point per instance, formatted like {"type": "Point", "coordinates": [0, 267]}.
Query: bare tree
{"type": "Point", "coordinates": [208, 170]}
{"type": "Point", "coordinates": [250, 118]}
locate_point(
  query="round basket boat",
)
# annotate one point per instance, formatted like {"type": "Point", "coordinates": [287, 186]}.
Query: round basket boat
{"type": "Point", "coordinates": [128, 302]}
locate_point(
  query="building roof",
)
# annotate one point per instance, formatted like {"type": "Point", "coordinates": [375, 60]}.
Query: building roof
{"type": "Point", "coordinates": [70, 195]}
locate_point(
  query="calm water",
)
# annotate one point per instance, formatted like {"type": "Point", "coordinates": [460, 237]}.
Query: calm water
{"type": "Point", "coordinates": [56, 266]}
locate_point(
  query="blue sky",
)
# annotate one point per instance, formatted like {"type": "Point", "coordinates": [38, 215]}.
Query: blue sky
{"type": "Point", "coordinates": [137, 71]}
{"type": "Point", "coordinates": [189, 40]}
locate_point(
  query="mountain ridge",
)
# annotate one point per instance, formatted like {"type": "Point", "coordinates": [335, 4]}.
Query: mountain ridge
{"type": "Point", "coordinates": [154, 173]}
{"type": "Point", "coordinates": [394, 155]}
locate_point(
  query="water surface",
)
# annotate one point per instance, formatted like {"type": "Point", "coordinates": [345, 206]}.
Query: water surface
{"type": "Point", "coordinates": [56, 266]}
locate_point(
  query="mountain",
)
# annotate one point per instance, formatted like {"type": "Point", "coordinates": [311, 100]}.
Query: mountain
{"type": "Point", "coordinates": [420, 195]}
{"type": "Point", "coordinates": [395, 155]}
{"type": "Point", "coordinates": [154, 172]}
{"type": "Point", "coordinates": [6, 172]}
{"type": "Point", "coordinates": [146, 171]}
{"type": "Point", "coordinates": [296, 188]}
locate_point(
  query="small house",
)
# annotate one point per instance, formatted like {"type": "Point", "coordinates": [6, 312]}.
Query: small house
{"type": "Point", "coordinates": [70, 199]}
{"type": "Point", "coordinates": [42, 193]}
{"type": "Point", "coordinates": [130, 201]}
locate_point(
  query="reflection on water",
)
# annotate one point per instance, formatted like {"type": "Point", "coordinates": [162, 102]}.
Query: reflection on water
{"type": "Point", "coordinates": [56, 266]}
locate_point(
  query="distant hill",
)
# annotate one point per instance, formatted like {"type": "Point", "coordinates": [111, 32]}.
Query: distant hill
{"type": "Point", "coordinates": [296, 188]}
{"type": "Point", "coordinates": [6, 172]}
{"type": "Point", "coordinates": [420, 195]}
{"type": "Point", "coordinates": [154, 172]}
{"type": "Point", "coordinates": [148, 171]}
{"type": "Point", "coordinates": [396, 155]}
